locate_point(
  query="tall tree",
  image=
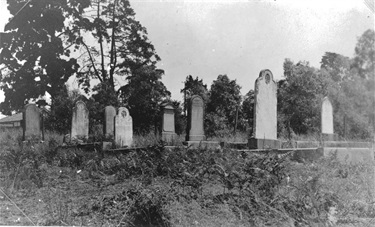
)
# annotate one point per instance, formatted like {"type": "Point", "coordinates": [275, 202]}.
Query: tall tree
{"type": "Point", "coordinates": [364, 58]}
{"type": "Point", "coordinates": [143, 95]}
{"type": "Point", "coordinates": [224, 98]}
{"type": "Point", "coordinates": [299, 96]}
{"type": "Point", "coordinates": [337, 65]}
{"type": "Point", "coordinates": [35, 49]}
{"type": "Point", "coordinates": [121, 45]}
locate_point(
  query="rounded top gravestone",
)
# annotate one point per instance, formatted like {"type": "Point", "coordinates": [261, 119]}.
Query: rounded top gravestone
{"type": "Point", "coordinates": [123, 128]}
{"type": "Point", "coordinates": [196, 131]}
{"type": "Point", "coordinates": [80, 121]}
{"type": "Point", "coordinates": [327, 116]}
{"type": "Point", "coordinates": [31, 122]}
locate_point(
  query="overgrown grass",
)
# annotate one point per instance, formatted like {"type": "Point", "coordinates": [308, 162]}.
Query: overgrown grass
{"type": "Point", "coordinates": [156, 186]}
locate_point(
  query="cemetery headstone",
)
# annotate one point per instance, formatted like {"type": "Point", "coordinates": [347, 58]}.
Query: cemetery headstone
{"type": "Point", "coordinates": [80, 121]}
{"type": "Point", "coordinates": [168, 132]}
{"type": "Point", "coordinates": [32, 127]}
{"type": "Point", "coordinates": [327, 120]}
{"type": "Point", "coordinates": [123, 128]}
{"type": "Point", "coordinates": [195, 119]}
{"type": "Point", "coordinates": [265, 113]}
{"type": "Point", "coordinates": [109, 121]}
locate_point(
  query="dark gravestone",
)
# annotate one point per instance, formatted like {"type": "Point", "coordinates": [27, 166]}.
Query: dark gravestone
{"type": "Point", "coordinates": [109, 121]}
{"type": "Point", "coordinates": [80, 121]}
{"type": "Point", "coordinates": [195, 119]}
{"type": "Point", "coordinates": [32, 127]}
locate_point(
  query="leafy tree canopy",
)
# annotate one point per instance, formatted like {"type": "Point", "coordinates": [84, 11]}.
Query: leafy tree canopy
{"type": "Point", "coordinates": [224, 97]}
{"type": "Point", "coordinates": [35, 54]}
{"type": "Point", "coordinates": [143, 95]}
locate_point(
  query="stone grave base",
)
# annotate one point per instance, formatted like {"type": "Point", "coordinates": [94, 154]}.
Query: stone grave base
{"type": "Point", "coordinates": [234, 145]}
{"type": "Point", "coordinates": [351, 155]}
{"type": "Point", "coordinates": [329, 137]}
{"type": "Point", "coordinates": [168, 137]}
{"type": "Point", "coordinates": [196, 138]}
{"type": "Point", "coordinates": [307, 144]}
{"type": "Point", "coordinates": [347, 144]}
{"type": "Point", "coordinates": [203, 144]}
{"type": "Point", "coordinates": [263, 144]}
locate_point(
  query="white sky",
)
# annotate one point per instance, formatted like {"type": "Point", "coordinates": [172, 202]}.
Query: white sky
{"type": "Point", "coordinates": [240, 38]}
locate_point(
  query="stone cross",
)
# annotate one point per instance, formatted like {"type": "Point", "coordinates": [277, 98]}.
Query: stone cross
{"type": "Point", "coordinates": [109, 121]}
{"type": "Point", "coordinates": [195, 119]}
{"type": "Point", "coordinates": [32, 123]}
{"type": "Point", "coordinates": [265, 112]}
{"type": "Point", "coordinates": [168, 131]}
{"type": "Point", "coordinates": [123, 128]}
{"type": "Point", "coordinates": [80, 121]}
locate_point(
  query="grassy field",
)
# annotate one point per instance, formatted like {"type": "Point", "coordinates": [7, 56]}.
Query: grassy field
{"type": "Point", "coordinates": [42, 184]}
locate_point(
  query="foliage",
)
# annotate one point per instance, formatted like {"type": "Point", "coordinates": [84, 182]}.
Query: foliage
{"type": "Point", "coordinates": [143, 95]}
{"type": "Point", "coordinates": [337, 65]}
{"type": "Point", "coordinates": [35, 49]}
{"type": "Point", "coordinates": [223, 105]}
{"type": "Point", "coordinates": [299, 97]}
{"type": "Point", "coordinates": [164, 187]}
{"type": "Point", "coordinates": [248, 110]}
{"type": "Point", "coordinates": [364, 58]}
{"type": "Point", "coordinates": [122, 45]}
{"type": "Point", "coordinates": [194, 87]}
{"type": "Point", "coordinates": [179, 118]}
{"type": "Point", "coordinates": [59, 118]}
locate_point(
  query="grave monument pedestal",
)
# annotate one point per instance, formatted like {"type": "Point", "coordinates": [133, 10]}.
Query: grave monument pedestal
{"type": "Point", "coordinates": [168, 137]}
{"type": "Point", "coordinates": [254, 143]}
{"type": "Point", "coordinates": [168, 134]}
{"type": "Point", "coordinates": [329, 137]}
{"type": "Point", "coordinates": [195, 137]}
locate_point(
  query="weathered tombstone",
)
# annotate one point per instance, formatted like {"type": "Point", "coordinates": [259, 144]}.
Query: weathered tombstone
{"type": "Point", "coordinates": [168, 131]}
{"type": "Point", "coordinates": [123, 128]}
{"type": "Point", "coordinates": [109, 121]}
{"type": "Point", "coordinates": [80, 121]}
{"type": "Point", "coordinates": [327, 120]}
{"type": "Point", "coordinates": [195, 119]}
{"type": "Point", "coordinates": [32, 129]}
{"type": "Point", "coordinates": [265, 113]}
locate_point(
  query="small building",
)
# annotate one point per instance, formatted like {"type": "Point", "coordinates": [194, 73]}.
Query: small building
{"type": "Point", "coordinates": [13, 121]}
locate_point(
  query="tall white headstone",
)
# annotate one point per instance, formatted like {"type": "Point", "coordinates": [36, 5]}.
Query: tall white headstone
{"type": "Point", "coordinates": [265, 112]}
{"type": "Point", "coordinates": [327, 116]}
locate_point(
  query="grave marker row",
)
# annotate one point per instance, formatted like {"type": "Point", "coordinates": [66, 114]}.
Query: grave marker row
{"type": "Point", "coordinates": [120, 125]}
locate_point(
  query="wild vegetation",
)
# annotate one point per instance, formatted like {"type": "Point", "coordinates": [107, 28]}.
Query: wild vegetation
{"type": "Point", "coordinates": [42, 184]}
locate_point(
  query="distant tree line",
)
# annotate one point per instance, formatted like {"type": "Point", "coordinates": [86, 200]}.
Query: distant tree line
{"type": "Point", "coordinates": [100, 42]}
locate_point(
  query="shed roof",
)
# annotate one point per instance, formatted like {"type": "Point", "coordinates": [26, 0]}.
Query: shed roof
{"type": "Point", "coordinates": [13, 118]}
